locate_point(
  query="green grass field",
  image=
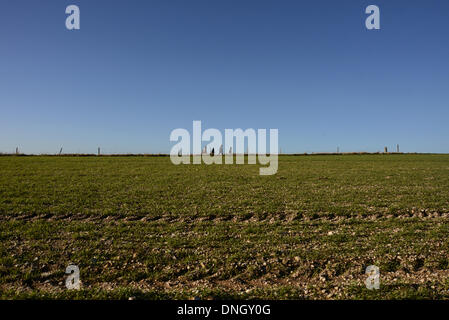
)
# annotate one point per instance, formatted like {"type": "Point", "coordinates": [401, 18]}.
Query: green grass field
{"type": "Point", "coordinates": [142, 227]}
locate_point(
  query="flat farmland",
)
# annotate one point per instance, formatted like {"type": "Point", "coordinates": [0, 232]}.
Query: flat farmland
{"type": "Point", "coordinates": [142, 227]}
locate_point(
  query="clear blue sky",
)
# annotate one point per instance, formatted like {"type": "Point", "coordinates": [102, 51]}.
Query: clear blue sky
{"type": "Point", "coordinates": [138, 69]}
